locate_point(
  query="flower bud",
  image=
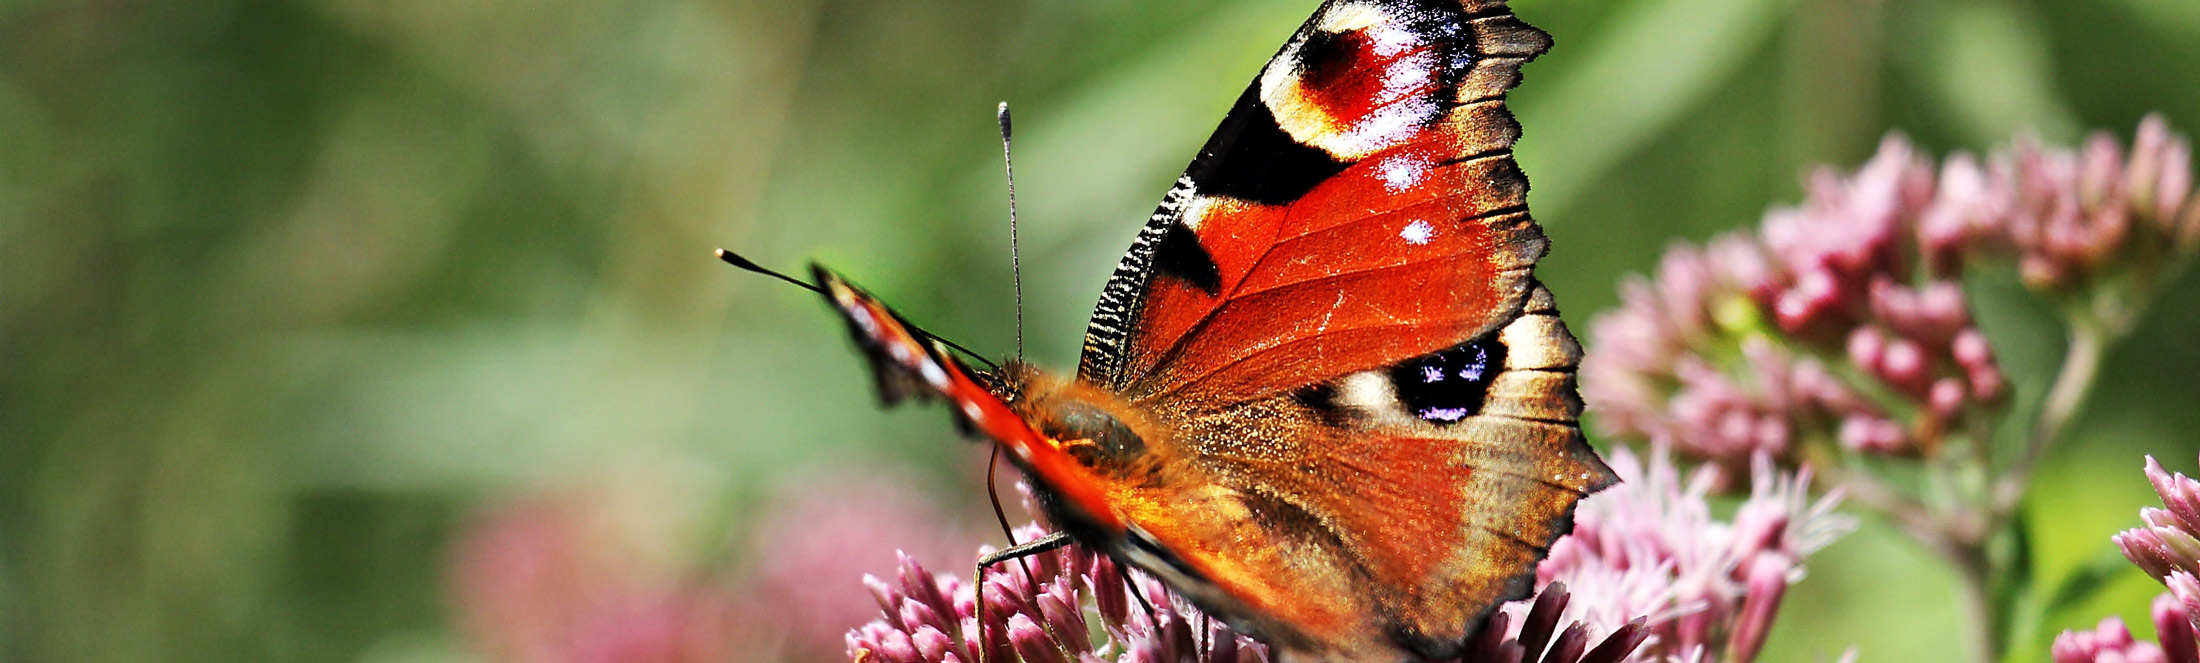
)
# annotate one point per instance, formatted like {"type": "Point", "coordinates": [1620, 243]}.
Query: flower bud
{"type": "Point", "coordinates": [1768, 581]}
{"type": "Point", "coordinates": [2173, 628]}
{"type": "Point", "coordinates": [1031, 641]}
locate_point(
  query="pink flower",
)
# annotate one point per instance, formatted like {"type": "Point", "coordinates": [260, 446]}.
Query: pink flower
{"type": "Point", "coordinates": [933, 618]}
{"type": "Point", "coordinates": [822, 532]}
{"type": "Point", "coordinates": [560, 580]}
{"type": "Point", "coordinates": [613, 575]}
{"type": "Point", "coordinates": [1845, 317]}
{"type": "Point", "coordinates": [2170, 543]}
{"type": "Point", "coordinates": [2111, 641]}
{"type": "Point", "coordinates": [1650, 548]}
{"type": "Point", "coordinates": [2166, 549]}
{"type": "Point", "coordinates": [2071, 218]}
{"type": "Point", "coordinates": [1849, 231]}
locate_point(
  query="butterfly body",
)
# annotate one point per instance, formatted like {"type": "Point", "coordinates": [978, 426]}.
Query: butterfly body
{"type": "Point", "coordinates": [1323, 395]}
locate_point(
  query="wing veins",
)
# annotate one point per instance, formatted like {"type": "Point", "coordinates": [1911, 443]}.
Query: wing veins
{"type": "Point", "coordinates": [1357, 272]}
{"type": "Point", "coordinates": [1537, 479]}
{"type": "Point", "coordinates": [1178, 347]}
{"type": "Point", "coordinates": [1478, 216]}
{"type": "Point", "coordinates": [1508, 536]}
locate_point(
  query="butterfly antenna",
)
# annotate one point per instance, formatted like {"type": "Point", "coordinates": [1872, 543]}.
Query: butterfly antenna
{"type": "Point", "coordinates": [1015, 259]}
{"type": "Point", "coordinates": [738, 260]}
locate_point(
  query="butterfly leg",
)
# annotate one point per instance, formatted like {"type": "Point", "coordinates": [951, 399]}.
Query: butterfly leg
{"type": "Point", "coordinates": [1045, 544]}
{"type": "Point", "coordinates": [1151, 616]}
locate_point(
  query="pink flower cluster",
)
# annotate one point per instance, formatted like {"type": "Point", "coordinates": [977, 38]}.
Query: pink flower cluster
{"type": "Point", "coordinates": [1039, 618]}
{"type": "Point", "coordinates": [2070, 217]}
{"type": "Point", "coordinates": [610, 575]}
{"type": "Point", "coordinates": [554, 581]}
{"type": "Point", "coordinates": [1710, 589]}
{"type": "Point", "coordinates": [2111, 641]}
{"type": "Point", "coordinates": [1649, 574]}
{"type": "Point", "coordinates": [1845, 318]}
{"type": "Point", "coordinates": [2168, 548]}
{"type": "Point", "coordinates": [932, 618]}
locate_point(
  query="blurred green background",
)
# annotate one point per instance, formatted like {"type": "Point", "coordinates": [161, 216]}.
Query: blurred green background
{"type": "Point", "coordinates": [288, 290]}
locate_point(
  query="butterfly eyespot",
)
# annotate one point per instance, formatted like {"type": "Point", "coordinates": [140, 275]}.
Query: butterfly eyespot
{"type": "Point", "coordinates": [1450, 384]}
{"type": "Point", "coordinates": [1367, 79]}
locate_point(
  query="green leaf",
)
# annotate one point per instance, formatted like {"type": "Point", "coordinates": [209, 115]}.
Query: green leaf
{"type": "Point", "coordinates": [2085, 582]}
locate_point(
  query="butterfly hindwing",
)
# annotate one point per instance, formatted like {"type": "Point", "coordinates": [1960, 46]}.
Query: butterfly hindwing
{"type": "Point", "coordinates": [1396, 508]}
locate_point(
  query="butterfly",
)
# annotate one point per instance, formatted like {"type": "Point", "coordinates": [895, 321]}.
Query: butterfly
{"type": "Point", "coordinates": [1323, 396]}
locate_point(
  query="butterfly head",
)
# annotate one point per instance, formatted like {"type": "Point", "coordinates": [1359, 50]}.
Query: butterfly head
{"type": "Point", "coordinates": [1092, 429]}
{"type": "Point", "coordinates": [1071, 438]}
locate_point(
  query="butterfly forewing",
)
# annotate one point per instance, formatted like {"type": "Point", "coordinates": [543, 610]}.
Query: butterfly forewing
{"type": "Point", "coordinates": [1314, 237]}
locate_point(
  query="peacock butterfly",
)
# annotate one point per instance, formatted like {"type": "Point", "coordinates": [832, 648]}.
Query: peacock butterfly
{"type": "Point", "coordinates": [1323, 395]}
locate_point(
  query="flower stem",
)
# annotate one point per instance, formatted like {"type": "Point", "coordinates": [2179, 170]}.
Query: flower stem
{"type": "Point", "coordinates": [1946, 535]}
{"type": "Point", "coordinates": [1986, 579]}
{"type": "Point", "coordinates": [2080, 370]}
{"type": "Point", "coordinates": [1981, 614]}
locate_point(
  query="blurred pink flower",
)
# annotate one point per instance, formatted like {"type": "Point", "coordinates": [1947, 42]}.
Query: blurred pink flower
{"type": "Point", "coordinates": [617, 575]}
{"type": "Point", "coordinates": [1822, 324]}
{"type": "Point", "coordinates": [2077, 216]}
{"type": "Point", "coordinates": [1841, 327]}
{"type": "Point", "coordinates": [557, 580]}
{"type": "Point", "coordinates": [821, 533]}
{"type": "Point", "coordinates": [1848, 234]}
{"type": "Point", "coordinates": [1845, 318]}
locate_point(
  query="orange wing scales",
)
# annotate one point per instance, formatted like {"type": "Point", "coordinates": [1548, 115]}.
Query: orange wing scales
{"type": "Point", "coordinates": [1352, 256]}
{"type": "Point", "coordinates": [1415, 528]}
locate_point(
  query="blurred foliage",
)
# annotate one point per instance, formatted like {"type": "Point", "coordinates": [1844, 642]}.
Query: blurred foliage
{"type": "Point", "coordinates": [289, 289]}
